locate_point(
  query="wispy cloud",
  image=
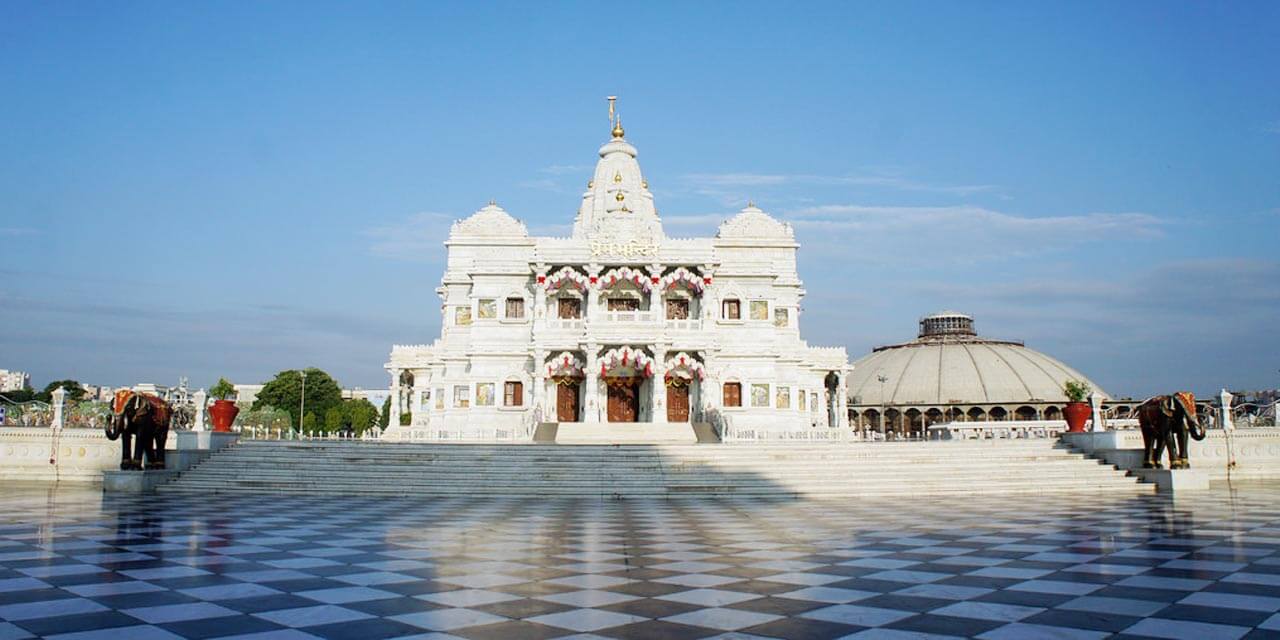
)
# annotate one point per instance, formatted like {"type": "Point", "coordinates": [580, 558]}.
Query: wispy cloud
{"type": "Point", "coordinates": [719, 181]}
{"type": "Point", "coordinates": [1274, 127]}
{"type": "Point", "coordinates": [13, 232]}
{"type": "Point", "coordinates": [417, 238]}
{"type": "Point", "coordinates": [956, 235]}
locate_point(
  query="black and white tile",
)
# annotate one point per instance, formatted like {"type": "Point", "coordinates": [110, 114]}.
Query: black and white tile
{"type": "Point", "coordinates": [77, 565]}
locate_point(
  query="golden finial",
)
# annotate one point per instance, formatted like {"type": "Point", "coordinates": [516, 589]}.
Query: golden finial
{"type": "Point", "coordinates": [591, 183]}
{"type": "Point", "coordinates": [617, 177]}
{"type": "Point", "coordinates": [615, 121]}
{"type": "Point", "coordinates": [619, 197]}
{"type": "Point", "coordinates": [644, 184]}
{"type": "Point", "coordinates": [751, 204]}
{"type": "Point", "coordinates": [492, 202]}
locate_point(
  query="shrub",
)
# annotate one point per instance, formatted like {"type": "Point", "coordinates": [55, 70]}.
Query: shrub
{"type": "Point", "coordinates": [1076, 390]}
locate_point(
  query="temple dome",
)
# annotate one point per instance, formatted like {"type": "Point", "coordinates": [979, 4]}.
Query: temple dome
{"type": "Point", "coordinates": [950, 364]}
{"type": "Point", "coordinates": [752, 222]}
{"type": "Point", "coordinates": [490, 222]}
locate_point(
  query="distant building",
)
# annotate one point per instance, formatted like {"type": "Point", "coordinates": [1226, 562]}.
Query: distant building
{"type": "Point", "coordinates": [375, 396]}
{"type": "Point", "coordinates": [14, 380]}
{"type": "Point", "coordinates": [950, 373]}
{"type": "Point", "coordinates": [246, 395]}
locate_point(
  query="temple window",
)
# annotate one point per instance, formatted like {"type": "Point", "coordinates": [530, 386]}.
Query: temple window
{"type": "Point", "coordinates": [677, 309]}
{"type": "Point", "coordinates": [733, 394]}
{"type": "Point", "coordinates": [760, 395]}
{"type": "Point", "coordinates": [484, 394]}
{"type": "Point", "coordinates": [759, 309]}
{"type": "Point", "coordinates": [783, 397]}
{"type": "Point", "coordinates": [439, 399]}
{"type": "Point", "coordinates": [513, 394]}
{"type": "Point", "coordinates": [461, 396]}
{"type": "Point", "coordinates": [462, 316]}
{"type": "Point", "coordinates": [570, 309]}
{"type": "Point", "coordinates": [515, 308]}
{"type": "Point", "coordinates": [487, 309]}
{"type": "Point", "coordinates": [781, 318]}
{"type": "Point", "coordinates": [732, 309]}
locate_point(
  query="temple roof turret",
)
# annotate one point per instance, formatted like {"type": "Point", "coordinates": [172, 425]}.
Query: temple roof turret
{"type": "Point", "coordinates": [617, 202]}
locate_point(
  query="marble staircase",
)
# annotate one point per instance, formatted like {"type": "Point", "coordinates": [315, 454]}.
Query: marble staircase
{"type": "Point", "coordinates": [760, 470]}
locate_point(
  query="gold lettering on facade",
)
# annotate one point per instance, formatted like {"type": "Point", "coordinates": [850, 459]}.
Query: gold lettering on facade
{"type": "Point", "coordinates": [624, 249]}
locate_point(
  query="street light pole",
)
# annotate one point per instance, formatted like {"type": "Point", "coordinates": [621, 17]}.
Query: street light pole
{"type": "Point", "coordinates": [302, 404]}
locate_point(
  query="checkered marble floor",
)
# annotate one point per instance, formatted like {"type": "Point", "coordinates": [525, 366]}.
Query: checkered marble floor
{"type": "Point", "coordinates": [77, 565]}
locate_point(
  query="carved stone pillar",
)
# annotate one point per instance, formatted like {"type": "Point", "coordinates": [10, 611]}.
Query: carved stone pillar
{"type": "Point", "coordinates": [591, 404]}
{"type": "Point", "coordinates": [539, 383]}
{"type": "Point", "coordinates": [658, 388]}
{"type": "Point", "coordinates": [59, 397]}
{"type": "Point", "coordinates": [394, 410]}
{"type": "Point", "coordinates": [200, 398]}
{"type": "Point", "coordinates": [1095, 403]}
{"type": "Point", "coordinates": [710, 298]}
{"type": "Point", "coordinates": [1225, 411]}
{"type": "Point", "coordinates": [655, 294]}
{"type": "Point", "coordinates": [540, 294]}
{"type": "Point", "coordinates": [593, 292]}
{"type": "Point", "coordinates": [842, 401]}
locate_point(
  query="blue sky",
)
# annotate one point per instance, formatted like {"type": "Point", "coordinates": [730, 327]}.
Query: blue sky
{"type": "Point", "coordinates": [235, 188]}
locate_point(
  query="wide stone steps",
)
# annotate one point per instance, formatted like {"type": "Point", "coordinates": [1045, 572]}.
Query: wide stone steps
{"type": "Point", "coordinates": [757, 470]}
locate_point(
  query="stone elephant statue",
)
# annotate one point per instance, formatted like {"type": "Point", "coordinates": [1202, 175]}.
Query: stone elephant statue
{"type": "Point", "coordinates": [141, 422]}
{"type": "Point", "coordinates": [1166, 421]}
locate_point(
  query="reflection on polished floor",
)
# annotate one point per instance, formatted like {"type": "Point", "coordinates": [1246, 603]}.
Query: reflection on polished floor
{"type": "Point", "coordinates": [74, 564]}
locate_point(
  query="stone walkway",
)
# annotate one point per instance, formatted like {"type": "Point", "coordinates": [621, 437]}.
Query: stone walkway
{"type": "Point", "coordinates": [74, 564]}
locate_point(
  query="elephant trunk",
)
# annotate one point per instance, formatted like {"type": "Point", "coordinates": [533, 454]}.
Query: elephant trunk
{"type": "Point", "coordinates": [1195, 428]}
{"type": "Point", "coordinates": [113, 433]}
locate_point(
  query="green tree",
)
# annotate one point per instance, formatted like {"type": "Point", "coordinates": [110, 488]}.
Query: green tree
{"type": "Point", "coordinates": [74, 390]}
{"type": "Point", "coordinates": [309, 422]}
{"type": "Point", "coordinates": [334, 419]}
{"type": "Point", "coordinates": [362, 415]}
{"type": "Point", "coordinates": [21, 395]}
{"type": "Point", "coordinates": [384, 418]}
{"type": "Point", "coordinates": [406, 418]}
{"type": "Point", "coordinates": [285, 392]}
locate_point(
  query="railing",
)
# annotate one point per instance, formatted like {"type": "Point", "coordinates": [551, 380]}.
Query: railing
{"type": "Point", "coordinates": [628, 316]}
{"type": "Point", "coordinates": [693, 324]}
{"type": "Point", "coordinates": [565, 323]}
{"type": "Point", "coordinates": [1006, 430]}
{"type": "Point", "coordinates": [249, 432]}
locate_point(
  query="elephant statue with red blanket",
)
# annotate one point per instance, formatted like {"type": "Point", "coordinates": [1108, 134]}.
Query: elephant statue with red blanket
{"type": "Point", "coordinates": [141, 422]}
{"type": "Point", "coordinates": [1166, 421]}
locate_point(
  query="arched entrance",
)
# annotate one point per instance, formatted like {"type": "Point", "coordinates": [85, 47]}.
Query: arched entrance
{"type": "Point", "coordinates": [565, 374]}
{"type": "Point", "coordinates": [623, 398]}
{"type": "Point", "coordinates": [623, 370]}
{"type": "Point", "coordinates": [683, 376]}
{"type": "Point", "coordinates": [568, 398]}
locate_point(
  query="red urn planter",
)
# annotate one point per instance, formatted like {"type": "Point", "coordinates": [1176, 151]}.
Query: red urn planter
{"type": "Point", "coordinates": [223, 413]}
{"type": "Point", "coordinates": [1077, 413]}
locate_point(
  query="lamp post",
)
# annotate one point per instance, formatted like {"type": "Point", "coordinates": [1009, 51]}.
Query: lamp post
{"type": "Point", "coordinates": [302, 403]}
{"type": "Point", "coordinates": [882, 380]}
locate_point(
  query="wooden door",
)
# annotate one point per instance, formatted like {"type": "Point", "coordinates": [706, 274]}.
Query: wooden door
{"type": "Point", "coordinates": [567, 400]}
{"type": "Point", "coordinates": [624, 400]}
{"type": "Point", "coordinates": [678, 401]}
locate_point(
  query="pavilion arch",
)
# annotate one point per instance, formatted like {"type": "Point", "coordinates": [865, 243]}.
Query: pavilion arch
{"type": "Point", "coordinates": [1052, 412]}
{"type": "Point", "coordinates": [871, 419]}
{"type": "Point", "coordinates": [954, 414]}
{"type": "Point", "coordinates": [933, 416]}
{"type": "Point", "coordinates": [893, 420]}
{"type": "Point", "coordinates": [977, 414]}
{"type": "Point", "coordinates": [998, 414]}
{"type": "Point", "coordinates": [1025, 413]}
